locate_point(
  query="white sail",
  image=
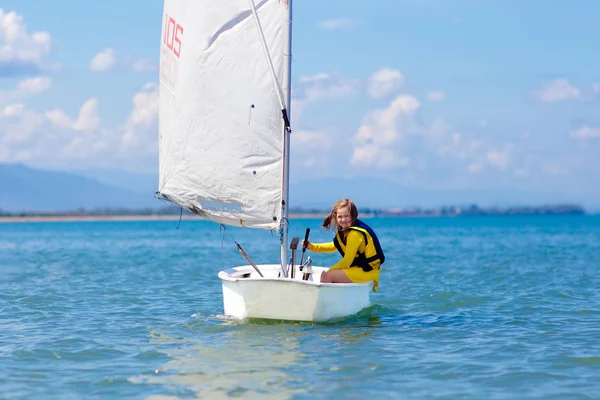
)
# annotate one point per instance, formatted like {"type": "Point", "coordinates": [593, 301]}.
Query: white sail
{"type": "Point", "coordinates": [221, 135]}
{"type": "Point", "coordinates": [224, 146]}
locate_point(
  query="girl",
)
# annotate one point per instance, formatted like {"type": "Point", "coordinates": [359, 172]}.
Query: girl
{"type": "Point", "coordinates": [361, 252]}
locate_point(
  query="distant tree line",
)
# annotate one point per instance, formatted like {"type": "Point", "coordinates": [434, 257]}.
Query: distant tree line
{"type": "Point", "coordinates": [561, 209]}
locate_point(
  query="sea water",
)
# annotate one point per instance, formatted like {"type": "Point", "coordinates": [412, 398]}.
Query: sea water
{"type": "Point", "coordinates": [468, 307]}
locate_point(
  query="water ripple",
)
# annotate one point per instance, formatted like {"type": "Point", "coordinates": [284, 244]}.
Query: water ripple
{"type": "Point", "coordinates": [495, 308]}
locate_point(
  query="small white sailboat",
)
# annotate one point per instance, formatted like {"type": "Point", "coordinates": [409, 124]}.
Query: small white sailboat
{"type": "Point", "coordinates": [224, 147]}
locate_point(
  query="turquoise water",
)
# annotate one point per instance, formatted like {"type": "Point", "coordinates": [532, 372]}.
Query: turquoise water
{"type": "Point", "coordinates": [481, 308]}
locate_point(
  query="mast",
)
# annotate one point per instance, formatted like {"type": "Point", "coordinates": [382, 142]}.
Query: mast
{"type": "Point", "coordinates": [287, 84]}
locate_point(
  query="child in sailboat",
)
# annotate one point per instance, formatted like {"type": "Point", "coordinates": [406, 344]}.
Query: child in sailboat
{"type": "Point", "coordinates": [361, 252]}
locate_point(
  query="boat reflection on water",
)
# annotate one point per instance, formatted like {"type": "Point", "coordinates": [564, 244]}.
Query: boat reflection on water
{"type": "Point", "coordinates": [231, 360]}
{"type": "Point", "coordinates": [218, 357]}
{"type": "Point", "coordinates": [357, 334]}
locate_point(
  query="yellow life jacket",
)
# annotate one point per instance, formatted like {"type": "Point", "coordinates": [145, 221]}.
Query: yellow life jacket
{"type": "Point", "coordinates": [372, 257]}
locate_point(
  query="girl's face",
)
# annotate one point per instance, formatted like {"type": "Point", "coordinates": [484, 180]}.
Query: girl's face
{"type": "Point", "coordinates": [343, 217]}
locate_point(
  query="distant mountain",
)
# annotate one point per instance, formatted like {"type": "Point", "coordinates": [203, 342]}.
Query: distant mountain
{"type": "Point", "coordinates": [29, 189]}
{"type": "Point", "coordinates": [137, 182]}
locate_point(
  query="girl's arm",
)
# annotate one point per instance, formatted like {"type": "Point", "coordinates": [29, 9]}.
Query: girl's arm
{"type": "Point", "coordinates": [322, 247]}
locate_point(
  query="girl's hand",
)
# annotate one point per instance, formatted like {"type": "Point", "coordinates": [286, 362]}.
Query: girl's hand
{"type": "Point", "coordinates": [306, 244]}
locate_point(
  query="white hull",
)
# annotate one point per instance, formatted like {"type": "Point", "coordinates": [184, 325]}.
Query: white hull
{"type": "Point", "coordinates": [247, 295]}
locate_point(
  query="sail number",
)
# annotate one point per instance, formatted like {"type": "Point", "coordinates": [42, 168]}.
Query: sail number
{"type": "Point", "coordinates": [172, 35]}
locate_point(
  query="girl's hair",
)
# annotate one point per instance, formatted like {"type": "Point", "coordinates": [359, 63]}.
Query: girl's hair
{"type": "Point", "coordinates": [331, 218]}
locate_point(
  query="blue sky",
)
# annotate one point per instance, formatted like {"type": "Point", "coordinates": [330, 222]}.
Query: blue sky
{"type": "Point", "coordinates": [447, 94]}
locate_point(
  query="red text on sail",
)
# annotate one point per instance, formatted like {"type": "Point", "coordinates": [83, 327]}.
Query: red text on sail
{"type": "Point", "coordinates": [172, 35]}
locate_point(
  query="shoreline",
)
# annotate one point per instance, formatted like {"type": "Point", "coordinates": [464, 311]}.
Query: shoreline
{"type": "Point", "coordinates": [173, 217]}
{"type": "Point", "coordinates": [123, 218]}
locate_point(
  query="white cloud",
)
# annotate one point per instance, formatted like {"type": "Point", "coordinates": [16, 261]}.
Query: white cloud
{"type": "Point", "coordinates": [145, 106]}
{"type": "Point", "coordinates": [25, 89]}
{"type": "Point", "coordinates": [145, 64]}
{"type": "Point", "coordinates": [385, 81]}
{"type": "Point", "coordinates": [326, 85]}
{"type": "Point", "coordinates": [313, 88]}
{"type": "Point", "coordinates": [381, 130]}
{"type": "Point", "coordinates": [337, 24]}
{"type": "Point", "coordinates": [482, 156]}
{"type": "Point", "coordinates": [13, 110]}
{"type": "Point", "coordinates": [60, 119]}
{"type": "Point", "coordinates": [442, 141]}
{"type": "Point", "coordinates": [596, 88]}
{"type": "Point", "coordinates": [38, 84]}
{"type": "Point", "coordinates": [557, 90]}
{"type": "Point", "coordinates": [309, 140]}
{"type": "Point", "coordinates": [18, 129]}
{"type": "Point", "coordinates": [19, 49]}
{"type": "Point", "coordinates": [104, 61]}
{"type": "Point", "coordinates": [55, 139]}
{"type": "Point", "coordinates": [141, 128]}
{"type": "Point", "coordinates": [393, 138]}
{"type": "Point", "coordinates": [436, 95]}
{"type": "Point", "coordinates": [94, 145]}
{"type": "Point", "coordinates": [87, 120]}
{"type": "Point", "coordinates": [585, 132]}
{"type": "Point", "coordinates": [320, 77]}
{"type": "Point", "coordinates": [312, 148]}
{"type": "Point", "coordinates": [89, 117]}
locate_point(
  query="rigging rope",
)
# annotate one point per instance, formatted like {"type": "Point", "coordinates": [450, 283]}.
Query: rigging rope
{"type": "Point", "coordinates": [263, 43]}
{"type": "Point", "coordinates": [242, 251]}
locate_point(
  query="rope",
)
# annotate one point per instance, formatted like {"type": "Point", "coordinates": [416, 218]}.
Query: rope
{"type": "Point", "coordinates": [242, 251]}
{"type": "Point", "coordinates": [180, 215]}
{"type": "Point", "coordinates": [267, 54]}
